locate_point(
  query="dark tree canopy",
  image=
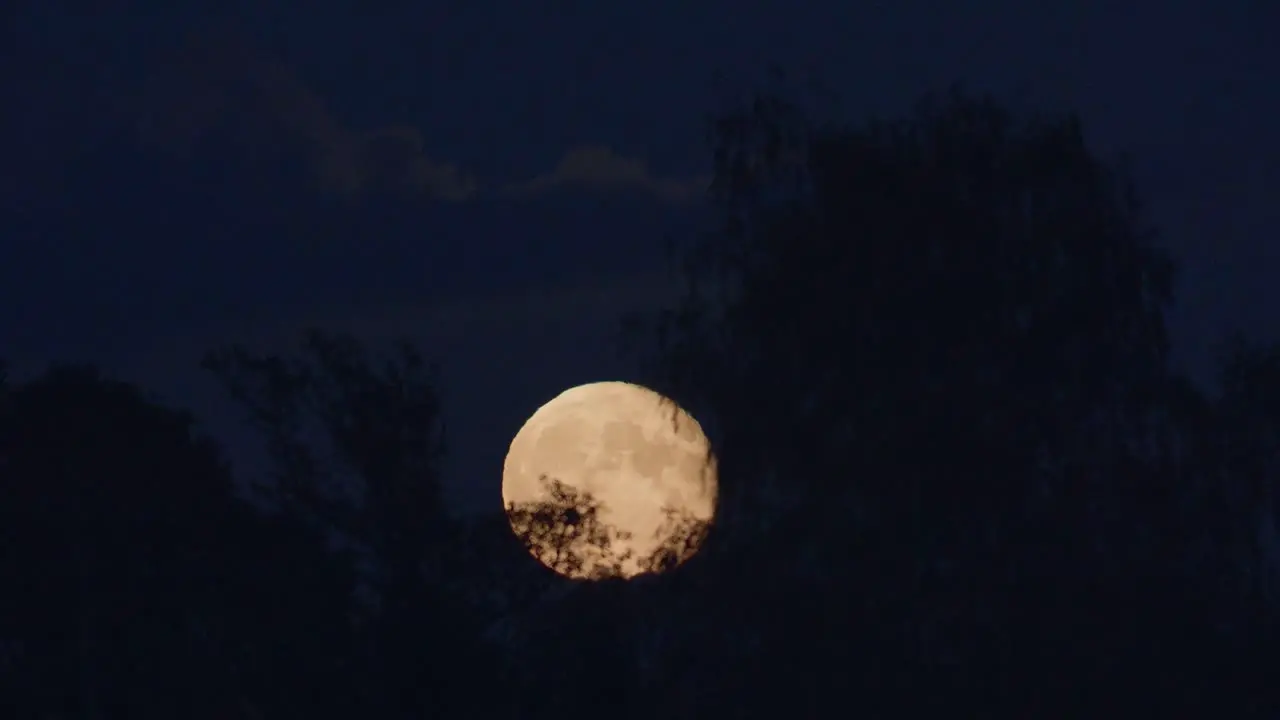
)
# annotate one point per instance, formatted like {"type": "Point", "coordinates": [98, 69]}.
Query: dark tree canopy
{"type": "Point", "coordinates": [954, 277]}
{"type": "Point", "coordinates": [356, 440]}
{"type": "Point", "coordinates": [334, 409]}
{"type": "Point", "coordinates": [936, 354]}
{"type": "Point", "coordinates": [566, 533]}
{"type": "Point", "coordinates": [136, 583]}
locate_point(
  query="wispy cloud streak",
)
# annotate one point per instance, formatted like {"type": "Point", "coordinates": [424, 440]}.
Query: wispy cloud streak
{"type": "Point", "coordinates": [216, 81]}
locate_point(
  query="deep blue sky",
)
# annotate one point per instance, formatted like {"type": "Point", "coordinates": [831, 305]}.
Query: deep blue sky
{"type": "Point", "coordinates": [174, 179]}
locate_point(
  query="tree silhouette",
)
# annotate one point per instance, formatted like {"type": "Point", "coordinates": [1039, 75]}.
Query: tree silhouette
{"type": "Point", "coordinates": [1234, 505]}
{"type": "Point", "coordinates": [922, 265]}
{"type": "Point", "coordinates": [136, 583]}
{"type": "Point", "coordinates": [337, 419]}
{"type": "Point", "coordinates": [334, 409]}
{"type": "Point", "coordinates": [935, 352]}
{"type": "Point", "coordinates": [682, 533]}
{"type": "Point", "coordinates": [564, 532]}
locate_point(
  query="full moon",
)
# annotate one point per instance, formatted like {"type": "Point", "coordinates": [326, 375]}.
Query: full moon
{"type": "Point", "coordinates": [610, 479]}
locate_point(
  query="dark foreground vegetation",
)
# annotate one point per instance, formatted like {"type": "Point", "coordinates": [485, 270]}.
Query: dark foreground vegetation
{"type": "Point", "coordinates": [959, 479]}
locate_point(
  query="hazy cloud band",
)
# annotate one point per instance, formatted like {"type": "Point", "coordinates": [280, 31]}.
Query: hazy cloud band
{"type": "Point", "coordinates": [218, 80]}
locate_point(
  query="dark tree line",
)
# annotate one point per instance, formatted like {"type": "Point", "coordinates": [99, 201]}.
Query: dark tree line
{"type": "Point", "coordinates": [958, 476]}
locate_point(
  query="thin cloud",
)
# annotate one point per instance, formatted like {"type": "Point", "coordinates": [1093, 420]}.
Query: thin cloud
{"type": "Point", "coordinates": [217, 81]}
{"type": "Point", "coordinates": [390, 157]}
{"type": "Point", "coordinates": [599, 167]}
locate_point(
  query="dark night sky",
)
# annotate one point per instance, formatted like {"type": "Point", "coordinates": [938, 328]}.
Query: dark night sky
{"type": "Point", "coordinates": [548, 147]}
